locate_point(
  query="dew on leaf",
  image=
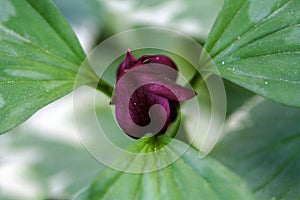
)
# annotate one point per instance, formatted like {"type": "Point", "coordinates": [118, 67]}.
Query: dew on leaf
{"type": "Point", "coordinates": [28, 74]}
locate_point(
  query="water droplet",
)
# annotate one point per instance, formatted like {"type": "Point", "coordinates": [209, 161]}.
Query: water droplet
{"type": "Point", "coordinates": [239, 37]}
{"type": "Point", "coordinates": [134, 103]}
{"type": "Point", "coordinates": [223, 63]}
{"type": "Point", "coordinates": [266, 82]}
{"type": "Point", "coordinates": [233, 69]}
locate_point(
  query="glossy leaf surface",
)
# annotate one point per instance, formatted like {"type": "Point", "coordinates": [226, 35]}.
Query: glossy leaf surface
{"type": "Point", "coordinates": [187, 178]}
{"type": "Point", "coordinates": [262, 145]}
{"type": "Point", "coordinates": [256, 44]}
{"type": "Point", "coordinates": [39, 59]}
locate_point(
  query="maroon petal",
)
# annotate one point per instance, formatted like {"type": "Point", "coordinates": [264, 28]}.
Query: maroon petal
{"type": "Point", "coordinates": [146, 95]}
{"type": "Point", "coordinates": [156, 79]}
{"type": "Point", "coordinates": [134, 118]}
{"type": "Point", "coordinates": [140, 104]}
{"type": "Point", "coordinates": [128, 63]}
{"type": "Point", "coordinates": [160, 59]}
{"type": "Point", "coordinates": [171, 91]}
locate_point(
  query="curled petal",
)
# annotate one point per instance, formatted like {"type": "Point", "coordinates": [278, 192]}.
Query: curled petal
{"type": "Point", "coordinates": [156, 79]}
{"type": "Point", "coordinates": [131, 62]}
{"type": "Point", "coordinates": [127, 64]}
{"type": "Point", "coordinates": [171, 91]}
{"type": "Point", "coordinates": [163, 60]}
{"type": "Point", "coordinates": [135, 124]}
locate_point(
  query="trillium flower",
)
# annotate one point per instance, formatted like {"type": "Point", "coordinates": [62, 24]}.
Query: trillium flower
{"type": "Point", "coordinates": [146, 95]}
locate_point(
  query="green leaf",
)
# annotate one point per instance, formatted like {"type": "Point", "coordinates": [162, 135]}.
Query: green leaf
{"type": "Point", "coordinates": [256, 44]}
{"type": "Point", "coordinates": [262, 145]}
{"type": "Point", "coordinates": [236, 96]}
{"type": "Point", "coordinates": [39, 59]}
{"type": "Point", "coordinates": [187, 178]}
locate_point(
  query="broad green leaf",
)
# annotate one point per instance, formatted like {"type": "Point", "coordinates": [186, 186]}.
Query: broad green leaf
{"type": "Point", "coordinates": [39, 59]}
{"type": "Point", "coordinates": [262, 145]}
{"type": "Point", "coordinates": [187, 178]}
{"type": "Point", "coordinates": [256, 44]}
{"type": "Point", "coordinates": [236, 96]}
{"type": "Point", "coordinates": [202, 139]}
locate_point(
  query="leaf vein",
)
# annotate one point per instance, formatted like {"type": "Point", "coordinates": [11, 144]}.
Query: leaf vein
{"type": "Point", "coordinates": [54, 29]}
{"type": "Point", "coordinates": [204, 178]}
{"type": "Point", "coordinates": [231, 20]}
{"type": "Point", "coordinates": [24, 100]}
{"type": "Point", "coordinates": [260, 38]}
{"type": "Point", "coordinates": [278, 172]}
{"type": "Point", "coordinates": [120, 173]}
{"type": "Point", "coordinates": [251, 28]}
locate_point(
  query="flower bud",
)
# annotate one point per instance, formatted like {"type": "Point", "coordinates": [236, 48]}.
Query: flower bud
{"type": "Point", "coordinates": [142, 83]}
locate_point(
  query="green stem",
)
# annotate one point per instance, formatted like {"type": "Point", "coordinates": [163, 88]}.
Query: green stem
{"type": "Point", "coordinates": [105, 88]}
{"type": "Point", "coordinates": [174, 126]}
{"type": "Point", "coordinates": [198, 79]}
{"type": "Point", "coordinates": [193, 82]}
{"type": "Point", "coordinates": [102, 86]}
